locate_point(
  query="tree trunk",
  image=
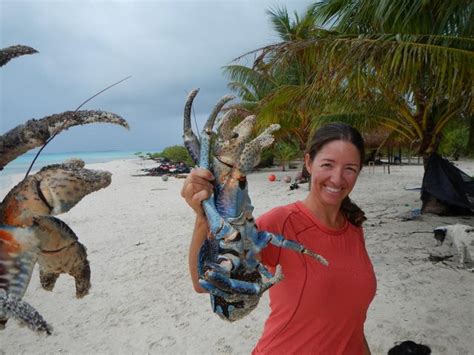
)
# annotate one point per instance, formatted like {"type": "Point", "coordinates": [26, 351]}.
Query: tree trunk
{"type": "Point", "coordinates": [470, 142]}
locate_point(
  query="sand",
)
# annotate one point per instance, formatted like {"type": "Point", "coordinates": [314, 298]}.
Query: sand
{"type": "Point", "coordinates": [137, 232]}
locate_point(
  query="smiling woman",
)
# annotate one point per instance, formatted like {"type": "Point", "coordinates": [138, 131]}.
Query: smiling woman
{"type": "Point", "coordinates": [314, 309]}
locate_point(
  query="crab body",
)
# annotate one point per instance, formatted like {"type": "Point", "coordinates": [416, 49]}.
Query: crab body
{"type": "Point", "coordinates": [228, 266]}
{"type": "Point", "coordinates": [29, 232]}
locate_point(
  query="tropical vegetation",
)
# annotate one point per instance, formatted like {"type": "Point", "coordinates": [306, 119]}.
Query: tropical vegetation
{"type": "Point", "coordinates": [406, 66]}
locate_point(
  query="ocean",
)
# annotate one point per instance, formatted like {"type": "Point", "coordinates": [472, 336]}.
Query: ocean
{"type": "Point", "coordinates": [22, 163]}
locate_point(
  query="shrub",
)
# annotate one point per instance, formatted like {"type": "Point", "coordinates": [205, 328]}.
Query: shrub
{"type": "Point", "coordinates": [174, 153]}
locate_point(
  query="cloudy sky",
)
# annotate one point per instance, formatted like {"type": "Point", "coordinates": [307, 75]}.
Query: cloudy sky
{"type": "Point", "coordinates": [168, 47]}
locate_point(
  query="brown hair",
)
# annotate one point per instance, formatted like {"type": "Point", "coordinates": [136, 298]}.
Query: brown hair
{"type": "Point", "coordinates": [333, 132]}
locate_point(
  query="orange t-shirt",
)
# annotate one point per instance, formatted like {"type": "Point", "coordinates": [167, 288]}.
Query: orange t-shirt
{"type": "Point", "coordinates": [316, 309]}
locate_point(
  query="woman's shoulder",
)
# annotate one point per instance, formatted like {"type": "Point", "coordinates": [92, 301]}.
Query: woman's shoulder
{"type": "Point", "coordinates": [278, 213]}
{"type": "Point", "coordinates": [281, 218]}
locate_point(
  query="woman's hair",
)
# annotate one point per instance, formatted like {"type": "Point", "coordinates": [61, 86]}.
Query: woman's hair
{"type": "Point", "coordinates": [334, 132]}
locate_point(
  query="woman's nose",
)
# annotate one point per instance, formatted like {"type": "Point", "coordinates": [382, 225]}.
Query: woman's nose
{"type": "Point", "coordinates": [337, 176]}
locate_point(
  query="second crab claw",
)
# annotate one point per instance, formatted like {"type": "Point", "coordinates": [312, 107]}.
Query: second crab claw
{"type": "Point", "coordinates": [55, 189]}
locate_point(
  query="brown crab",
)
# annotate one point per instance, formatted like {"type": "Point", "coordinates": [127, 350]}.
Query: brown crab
{"type": "Point", "coordinates": [28, 231]}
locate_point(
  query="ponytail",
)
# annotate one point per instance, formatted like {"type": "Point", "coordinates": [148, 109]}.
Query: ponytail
{"type": "Point", "coordinates": [353, 212]}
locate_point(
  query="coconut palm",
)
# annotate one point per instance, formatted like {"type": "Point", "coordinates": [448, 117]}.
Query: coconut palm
{"type": "Point", "coordinates": [407, 65]}
{"type": "Point", "coordinates": [257, 83]}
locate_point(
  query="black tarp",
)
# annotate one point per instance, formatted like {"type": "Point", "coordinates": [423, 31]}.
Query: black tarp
{"type": "Point", "coordinates": [449, 185]}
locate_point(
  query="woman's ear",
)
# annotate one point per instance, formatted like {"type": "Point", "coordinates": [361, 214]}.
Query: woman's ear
{"type": "Point", "coordinates": [308, 163]}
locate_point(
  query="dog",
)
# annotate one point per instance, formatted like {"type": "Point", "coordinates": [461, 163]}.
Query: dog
{"type": "Point", "coordinates": [460, 236]}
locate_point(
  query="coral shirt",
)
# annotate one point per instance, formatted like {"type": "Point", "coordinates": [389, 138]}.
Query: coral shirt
{"type": "Point", "coordinates": [316, 309]}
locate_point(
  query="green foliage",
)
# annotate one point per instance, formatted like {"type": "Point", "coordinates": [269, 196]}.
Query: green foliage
{"type": "Point", "coordinates": [266, 158]}
{"type": "Point", "coordinates": [174, 153]}
{"type": "Point", "coordinates": [405, 66]}
{"type": "Point", "coordinates": [454, 142]}
{"type": "Point", "coordinates": [284, 152]}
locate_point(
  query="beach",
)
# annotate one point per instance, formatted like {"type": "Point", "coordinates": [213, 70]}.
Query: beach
{"type": "Point", "coordinates": [137, 233]}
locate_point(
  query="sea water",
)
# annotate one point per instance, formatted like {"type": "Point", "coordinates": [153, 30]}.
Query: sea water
{"type": "Point", "coordinates": [21, 164]}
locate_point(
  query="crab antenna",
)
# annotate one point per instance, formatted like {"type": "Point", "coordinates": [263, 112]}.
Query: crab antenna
{"type": "Point", "coordinates": [216, 110]}
{"type": "Point", "coordinates": [78, 107]}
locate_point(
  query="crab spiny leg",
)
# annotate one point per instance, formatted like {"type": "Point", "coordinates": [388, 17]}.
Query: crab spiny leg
{"type": "Point", "coordinates": [191, 142]}
{"type": "Point", "coordinates": [229, 151]}
{"type": "Point", "coordinates": [224, 126]}
{"type": "Point", "coordinates": [13, 306]}
{"type": "Point", "coordinates": [219, 228]}
{"type": "Point", "coordinates": [8, 53]}
{"type": "Point", "coordinates": [280, 241]}
{"type": "Point", "coordinates": [34, 133]}
{"type": "Point", "coordinates": [251, 153]}
{"type": "Point", "coordinates": [61, 252]}
{"type": "Point", "coordinates": [227, 284]}
{"type": "Point", "coordinates": [217, 108]}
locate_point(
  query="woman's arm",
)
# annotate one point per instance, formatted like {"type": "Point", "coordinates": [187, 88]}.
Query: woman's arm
{"type": "Point", "coordinates": [199, 235]}
{"type": "Point", "coordinates": [196, 188]}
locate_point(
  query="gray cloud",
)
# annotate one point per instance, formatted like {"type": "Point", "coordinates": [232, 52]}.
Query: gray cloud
{"type": "Point", "coordinates": [169, 47]}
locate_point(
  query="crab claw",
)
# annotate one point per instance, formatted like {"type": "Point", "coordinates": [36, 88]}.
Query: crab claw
{"type": "Point", "coordinates": [228, 151]}
{"type": "Point", "coordinates": [53, 190]}
{"type": "Point", "coordinates": [191, 142]}
{"type": "Point", "coordinates": [61, 252]}
{"type": "Point", "coordinates": [250, 156]}
{"type": "Point", "coordinates": [8, 53]}
{"type": "Point", "coordinates": [35, 133]}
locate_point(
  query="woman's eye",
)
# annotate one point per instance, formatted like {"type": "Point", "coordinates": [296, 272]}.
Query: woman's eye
{"type": "Point", "coordinates": [354, 170]}
{"type": "Point", "coordinates": [326, 165]}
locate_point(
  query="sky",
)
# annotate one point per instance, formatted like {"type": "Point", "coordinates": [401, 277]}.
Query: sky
{"type": "Point", "coordinates": [168, 48]}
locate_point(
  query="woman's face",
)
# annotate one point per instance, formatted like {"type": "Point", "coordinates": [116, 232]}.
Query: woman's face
{"type": "Point", "coordinates": [334, 171]}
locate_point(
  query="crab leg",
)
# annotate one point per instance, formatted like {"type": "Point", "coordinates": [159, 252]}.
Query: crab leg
{"type": "Point", "coordinates": [35, 133]}
{"type": "Point", "coordinates": [12, 306]}
{"type": "Point", "coordinates": [8, 53]}
{"type": "Point", "coordinates": [191, 142]}
{"type": "Point", "coordinates": [61, 252]}
{"type": "Point", "coordinates": [18, 253]}
{"type": "Point", "coordinates": [218, 280]}
{"type": "Point", "coordinates": [280, 241]}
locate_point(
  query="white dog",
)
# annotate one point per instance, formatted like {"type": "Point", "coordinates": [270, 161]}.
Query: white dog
{"type": "Point", "coordinates": [462, 237]}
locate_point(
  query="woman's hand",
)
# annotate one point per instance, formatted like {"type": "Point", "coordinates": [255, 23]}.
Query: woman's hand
{"type": "Point", "coordinates": [197, 187]}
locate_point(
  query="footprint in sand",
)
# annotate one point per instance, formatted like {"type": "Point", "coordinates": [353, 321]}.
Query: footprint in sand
{"type": "Point", "coordinates": [222, 347]}
{"type": "Point", "coordinates": [163, 342]}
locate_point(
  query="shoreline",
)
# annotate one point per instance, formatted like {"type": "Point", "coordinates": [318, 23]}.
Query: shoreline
{"type": "Point", "coordinates": [137, 233]}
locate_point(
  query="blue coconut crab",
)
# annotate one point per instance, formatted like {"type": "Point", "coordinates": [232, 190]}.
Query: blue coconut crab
{"type": "Point", "coordinates": [228, 266]}
{"type": "Point", "coordinates": [28, 231]}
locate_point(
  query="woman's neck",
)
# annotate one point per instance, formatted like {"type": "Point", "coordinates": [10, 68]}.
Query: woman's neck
{"type": "Point", "coordinates": [330, 216]}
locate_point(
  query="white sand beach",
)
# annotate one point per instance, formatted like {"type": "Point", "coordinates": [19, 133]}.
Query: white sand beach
{"type": "Point", "coordinates": [137, 233]}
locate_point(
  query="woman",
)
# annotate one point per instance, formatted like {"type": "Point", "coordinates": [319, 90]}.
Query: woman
{"type": "Point", "coordinates": [315, 309]}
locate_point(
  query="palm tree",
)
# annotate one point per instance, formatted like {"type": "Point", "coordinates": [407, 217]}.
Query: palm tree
{"type": "Point", "coordinates": [407, 65]}
{"type": "Point", "coordinates": [255, 84]}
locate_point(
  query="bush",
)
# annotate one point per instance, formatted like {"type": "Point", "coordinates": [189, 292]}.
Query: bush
{"type": "Point", "coordinates": [454, 143]}
{"type": "Point", "coordinates": [285, 152]}
{"type": "Point", "coordinates": [266, 159]}
{"type": "Point", "coordinates": [175, 153]}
